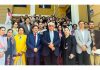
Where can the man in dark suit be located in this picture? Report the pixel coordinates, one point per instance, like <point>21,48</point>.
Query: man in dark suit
<point>33,47</point>
<point>51,43</point>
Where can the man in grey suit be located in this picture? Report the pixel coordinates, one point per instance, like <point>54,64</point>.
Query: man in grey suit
<point>27,26</point>
<point>83,48</point>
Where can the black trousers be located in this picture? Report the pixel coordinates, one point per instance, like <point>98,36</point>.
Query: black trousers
<point>33,60</point>
<point>67,61</point>
<point>84,58</point>
<point>50,59</point>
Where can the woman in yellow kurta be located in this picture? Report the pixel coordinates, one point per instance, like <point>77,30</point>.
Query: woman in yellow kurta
<point>20,40</point>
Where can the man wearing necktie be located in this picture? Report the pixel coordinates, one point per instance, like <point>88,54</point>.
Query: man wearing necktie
<point>33,47</point>
<point>51,42</point>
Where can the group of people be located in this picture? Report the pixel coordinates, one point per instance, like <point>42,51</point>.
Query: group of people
<point>44,40</point>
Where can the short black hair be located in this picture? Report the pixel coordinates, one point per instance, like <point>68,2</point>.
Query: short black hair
<point>66,27</point>
<point>90,22</point>
<point>85,22</point>
<point>2,27</point>
<point>22,28</point>
<point>14,22</point>
<point>61,27</point>
<point>27,18</point>
<point>34,26</point>
<point>80,21</point>
<point>9,30</point>
<point>73,25</point>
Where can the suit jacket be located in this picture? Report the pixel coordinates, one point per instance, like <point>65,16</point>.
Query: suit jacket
<point>97,39</point>
<point>81,42</point>
<point>31,45</point>
<point>26,29</point>
<point>62,33</point>
<point>46,39</point>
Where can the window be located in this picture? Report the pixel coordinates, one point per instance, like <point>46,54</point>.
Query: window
<point>20,5</point>
<point>44,6</point>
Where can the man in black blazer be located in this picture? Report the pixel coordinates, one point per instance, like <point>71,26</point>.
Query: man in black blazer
<point>51,43</point>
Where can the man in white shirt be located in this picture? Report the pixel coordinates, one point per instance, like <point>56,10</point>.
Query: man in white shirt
<point>51,43</point>
<point>27,26</point>
<point>83,48</point>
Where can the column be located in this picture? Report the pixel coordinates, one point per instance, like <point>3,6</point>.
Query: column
<point>32,9</point>
<point>74,14</point>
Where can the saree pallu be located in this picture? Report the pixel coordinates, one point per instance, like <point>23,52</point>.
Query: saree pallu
<point>2,60</point>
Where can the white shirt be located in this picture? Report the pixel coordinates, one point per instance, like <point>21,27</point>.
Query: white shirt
<point>28,26</point>
<point>51,35</point>
<point>36,38</point>
<point>82,32</point>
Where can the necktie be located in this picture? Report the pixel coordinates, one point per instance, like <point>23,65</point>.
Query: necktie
<point>60,34</point>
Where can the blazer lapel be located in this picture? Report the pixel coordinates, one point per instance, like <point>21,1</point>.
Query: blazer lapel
<point>54,36</point>
<point>32,36</point>
<point>48,36</point>
<point>85,32</point>
<point>38,38</point>
<point>26,27</point>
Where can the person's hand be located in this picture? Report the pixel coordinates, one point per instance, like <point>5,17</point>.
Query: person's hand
<point>84,48</point>
<point>19,54</point>
<point>22,52</point>
<point>53,48</point>
<point>51,45</point>
<point>1,54</point>
<point>16,54</point>
<point>35,49</point>
<point>71,56</point>
<point>13,58</point>
<point>94,48</point>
